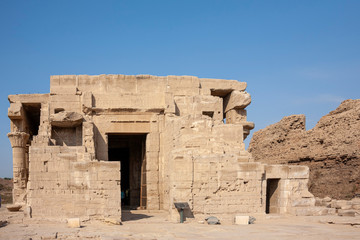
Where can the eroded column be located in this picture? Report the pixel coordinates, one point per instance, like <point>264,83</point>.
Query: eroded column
<point>18,142</point>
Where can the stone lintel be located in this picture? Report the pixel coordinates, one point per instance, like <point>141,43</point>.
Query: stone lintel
<point>29,98</point>
<point>110,111</point>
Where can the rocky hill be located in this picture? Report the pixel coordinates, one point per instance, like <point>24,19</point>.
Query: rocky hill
<point>6,186</point>
<point>331,149</point>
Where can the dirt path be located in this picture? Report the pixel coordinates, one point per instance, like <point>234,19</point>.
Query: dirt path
<point>155,226</point>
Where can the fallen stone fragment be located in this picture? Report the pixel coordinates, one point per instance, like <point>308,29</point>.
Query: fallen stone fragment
<point>242,220</point>
<point>50,236</point>
<point>3,223</point>
<point>212,220</point>
<point>314,211</point>
<point>252,220</point>
<point>66,119</point>
<point>346,213</point>
<point>112,221</point>
<point>73,222</point>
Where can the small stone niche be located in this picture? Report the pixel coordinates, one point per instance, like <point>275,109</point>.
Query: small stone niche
<point>208,113</point>
<point>66,128</point>
<point>67,136</point>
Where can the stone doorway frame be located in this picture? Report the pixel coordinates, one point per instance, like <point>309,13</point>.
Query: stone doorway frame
<point>272,195</point>
<point>149,127</point>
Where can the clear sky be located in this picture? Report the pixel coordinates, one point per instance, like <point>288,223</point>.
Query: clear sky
<point>298,57</point>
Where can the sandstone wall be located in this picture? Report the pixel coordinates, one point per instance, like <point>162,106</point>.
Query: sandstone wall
<point>331,149</point>
<point>62,185</point>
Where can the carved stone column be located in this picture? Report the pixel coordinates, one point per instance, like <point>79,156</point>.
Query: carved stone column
<point>18,142</point>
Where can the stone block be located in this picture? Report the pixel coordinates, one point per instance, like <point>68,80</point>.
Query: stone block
<point>106,176</point>
<point>67,80</point>
<point>87,99</point>
<point>152,175</point>
<point>121,84</point>
<point>236,100</point>
<point>112,221</point>
<point>314,211</point>
<point>210,106</point>
<point>341,204</point>
<point>298,172</point>
<point>38,166</point>
<point>54,81</point>
<point>236,116</point>
<point>61,90</point>
<point>302,202</point>
<point>64,84</point>
<point>146,82</point>
<point>183,85</point>
<point>241,220</point>
<point>276,171</point>
<point>15,111</point>
<point>251,167</point>
<point>355,203</point>
<point>249,175</point>
<point>152,141</point>
<point>214,87</point>
<point>73,222</point>
<point>230,133</point>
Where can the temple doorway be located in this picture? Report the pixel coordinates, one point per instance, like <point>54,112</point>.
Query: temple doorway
<point>129,149</point>
<point>272,196</point>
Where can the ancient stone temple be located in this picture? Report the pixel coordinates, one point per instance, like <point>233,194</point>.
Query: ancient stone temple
<point>96,145</point>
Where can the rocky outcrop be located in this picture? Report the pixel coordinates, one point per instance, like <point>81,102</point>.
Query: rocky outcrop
<point>6,186</point>
<point>331,149</point>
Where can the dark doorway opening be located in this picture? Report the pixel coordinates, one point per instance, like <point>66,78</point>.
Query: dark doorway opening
<point>130,151</point>
<point>272,195</point>
<point>222,93</point>
<point>32,112</point>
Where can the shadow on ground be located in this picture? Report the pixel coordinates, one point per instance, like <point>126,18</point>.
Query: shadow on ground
<point>129,216</point>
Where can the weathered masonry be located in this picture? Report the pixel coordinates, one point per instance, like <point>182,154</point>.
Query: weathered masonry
<point>98,144</point>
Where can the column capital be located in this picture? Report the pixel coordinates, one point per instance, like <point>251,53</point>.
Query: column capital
<point>18,139</point>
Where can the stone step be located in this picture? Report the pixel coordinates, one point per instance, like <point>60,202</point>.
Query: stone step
<point>314,211</point>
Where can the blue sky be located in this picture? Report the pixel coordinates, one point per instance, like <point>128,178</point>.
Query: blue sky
<point>298,57</point>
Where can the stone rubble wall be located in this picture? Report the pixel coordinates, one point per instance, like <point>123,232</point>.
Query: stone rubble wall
<point>331,149</point>
<point>340,207</point>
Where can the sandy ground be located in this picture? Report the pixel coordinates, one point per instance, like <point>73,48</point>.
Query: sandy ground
<point>155,226</point>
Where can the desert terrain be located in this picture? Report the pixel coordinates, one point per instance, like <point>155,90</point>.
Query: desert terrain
<point>6,186</point>
<point>154,225</point>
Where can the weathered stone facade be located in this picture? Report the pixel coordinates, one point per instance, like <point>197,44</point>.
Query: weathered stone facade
<point>98,144</point>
